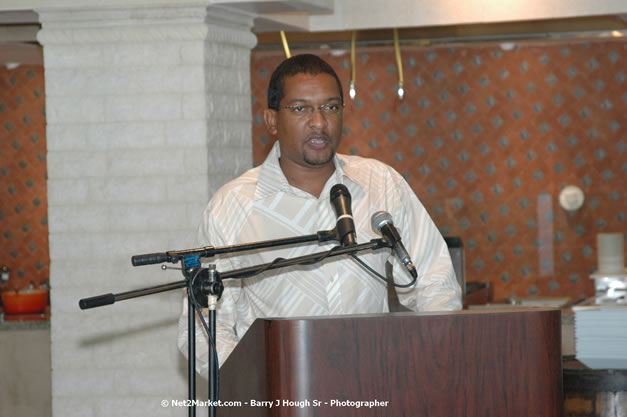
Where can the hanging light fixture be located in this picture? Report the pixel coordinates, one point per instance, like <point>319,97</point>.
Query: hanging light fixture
<point>351,85</point>
<point>286,47</point>
<point>399,66</point>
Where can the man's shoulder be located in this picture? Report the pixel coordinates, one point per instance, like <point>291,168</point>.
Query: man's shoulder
<point>368,166</point>
<point>244,185</point>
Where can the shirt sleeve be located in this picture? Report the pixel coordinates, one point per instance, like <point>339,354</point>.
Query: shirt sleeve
<point>436,288</point>
<point>209,234</point>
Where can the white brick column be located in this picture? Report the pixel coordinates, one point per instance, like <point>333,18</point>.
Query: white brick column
<point>148,113</point>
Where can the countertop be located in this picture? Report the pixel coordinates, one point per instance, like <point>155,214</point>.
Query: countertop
<point>29,322</point>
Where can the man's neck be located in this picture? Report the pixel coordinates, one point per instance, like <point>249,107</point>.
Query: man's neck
<point>308,179</point>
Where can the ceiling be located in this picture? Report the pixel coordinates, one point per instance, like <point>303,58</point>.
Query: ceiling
<point>18,31</point>
<point>582,27</point>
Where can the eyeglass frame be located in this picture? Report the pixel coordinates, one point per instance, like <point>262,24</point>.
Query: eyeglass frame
<point>323,109</point>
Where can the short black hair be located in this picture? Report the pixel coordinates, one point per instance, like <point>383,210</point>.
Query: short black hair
<point>298,64</point>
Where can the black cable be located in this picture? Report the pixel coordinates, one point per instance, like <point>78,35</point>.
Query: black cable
<point>324,256</point>
<point>262,269</point>
<point>376,274</point>
<point>266,267</point>
<point>214,350</point>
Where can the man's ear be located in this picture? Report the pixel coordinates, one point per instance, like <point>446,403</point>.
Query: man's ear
<point>270,117</point>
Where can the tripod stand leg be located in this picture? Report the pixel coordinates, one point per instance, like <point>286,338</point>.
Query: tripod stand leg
<point>213,365</point>
<point>191,352</point>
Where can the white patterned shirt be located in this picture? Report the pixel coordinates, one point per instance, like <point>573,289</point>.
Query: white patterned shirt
<point>262,205</point>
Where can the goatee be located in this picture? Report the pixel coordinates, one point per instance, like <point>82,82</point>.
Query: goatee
<point>318,162</point>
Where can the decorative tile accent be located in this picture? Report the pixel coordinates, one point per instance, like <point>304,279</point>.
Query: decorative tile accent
<point>23,190</point>
<point>497,133</point>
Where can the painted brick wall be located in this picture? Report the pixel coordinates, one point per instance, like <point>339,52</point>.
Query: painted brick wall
<point>148,113</point>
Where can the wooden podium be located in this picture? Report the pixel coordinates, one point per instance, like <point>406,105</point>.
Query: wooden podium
<point>504,363</point>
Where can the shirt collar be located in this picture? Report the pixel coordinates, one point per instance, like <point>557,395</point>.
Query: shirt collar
<point>272,179</point>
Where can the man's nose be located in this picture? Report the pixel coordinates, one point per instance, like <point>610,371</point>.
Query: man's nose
<point>317,118</point>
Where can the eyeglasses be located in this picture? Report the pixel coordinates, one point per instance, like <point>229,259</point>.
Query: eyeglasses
<point>306,110</point>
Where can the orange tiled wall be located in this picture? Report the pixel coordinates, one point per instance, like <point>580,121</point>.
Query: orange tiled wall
<point>23,196</point>
<point>487,138</point>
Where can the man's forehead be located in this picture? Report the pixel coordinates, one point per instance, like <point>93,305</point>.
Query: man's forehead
<point>303,83</point>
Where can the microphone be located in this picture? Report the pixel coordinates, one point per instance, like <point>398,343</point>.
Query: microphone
<point>382,222</point>
<point>341,201</point>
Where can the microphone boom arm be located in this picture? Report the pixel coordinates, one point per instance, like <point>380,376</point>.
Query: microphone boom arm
<point>174,256</point>
<point>106,299</point>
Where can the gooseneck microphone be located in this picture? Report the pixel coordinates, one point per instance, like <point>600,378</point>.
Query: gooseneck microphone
<point>341,202</point>
<point>382,222</point>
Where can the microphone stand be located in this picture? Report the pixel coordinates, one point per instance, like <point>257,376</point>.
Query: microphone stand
<point>204,285</point>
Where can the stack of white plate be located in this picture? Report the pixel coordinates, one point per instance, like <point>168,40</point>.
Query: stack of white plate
<point>601,336</point>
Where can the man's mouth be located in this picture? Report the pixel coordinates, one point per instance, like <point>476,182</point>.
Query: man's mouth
<point>317,141</point>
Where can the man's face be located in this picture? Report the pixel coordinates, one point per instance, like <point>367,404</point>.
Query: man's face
<point>306,139</point>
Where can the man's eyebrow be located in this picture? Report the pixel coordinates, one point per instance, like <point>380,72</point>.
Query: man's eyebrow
<point>304,100</point>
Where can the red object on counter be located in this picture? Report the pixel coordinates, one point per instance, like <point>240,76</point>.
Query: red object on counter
<point>34,301</point>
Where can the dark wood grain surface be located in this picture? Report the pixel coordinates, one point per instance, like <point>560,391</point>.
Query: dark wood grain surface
<point>470,363</point>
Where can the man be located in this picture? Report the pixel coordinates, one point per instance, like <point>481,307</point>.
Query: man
<point>288,195</point>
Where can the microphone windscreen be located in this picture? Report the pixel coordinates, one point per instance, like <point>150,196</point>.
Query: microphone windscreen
<point>380,219</point>
<point>339,189</point>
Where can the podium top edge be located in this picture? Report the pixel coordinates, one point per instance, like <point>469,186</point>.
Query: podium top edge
<point>491,311</point>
